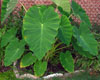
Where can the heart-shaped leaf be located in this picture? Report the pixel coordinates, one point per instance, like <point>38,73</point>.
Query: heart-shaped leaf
<point>27,60</point>
<point>40,68</point>
<point>85,39</point>
<point>80,50</point>
<point>67,61</point>
<point>13,51</point>
<point>40,28</point>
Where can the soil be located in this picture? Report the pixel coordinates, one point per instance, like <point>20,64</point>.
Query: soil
<point>4,69</point>
<point>55,69</point>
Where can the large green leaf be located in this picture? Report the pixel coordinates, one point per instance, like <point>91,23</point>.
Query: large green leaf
<point>80,50</point>
<point>40,68</point>
<point>8,36</point>
<point>27,60</point>
<point>80,13</point>
<point>40,28</point>
<point>65,30</point>
<point>7,8</point>
<point>85,39</point>
<point>65,4</point>
<point>13,51</point>
<point>67,61</point>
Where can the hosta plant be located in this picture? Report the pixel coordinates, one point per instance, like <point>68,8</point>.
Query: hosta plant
<point>44,31</point>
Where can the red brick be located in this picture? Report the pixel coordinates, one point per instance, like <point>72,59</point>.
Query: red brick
<point>92,7</point>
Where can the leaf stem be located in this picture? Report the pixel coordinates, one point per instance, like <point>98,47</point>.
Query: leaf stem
<point>70,16</point>
<point>61,48</point>
<point>51,52</point>
<point>23,6</point>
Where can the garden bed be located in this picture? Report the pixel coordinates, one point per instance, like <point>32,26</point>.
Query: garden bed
<point>45,42</point>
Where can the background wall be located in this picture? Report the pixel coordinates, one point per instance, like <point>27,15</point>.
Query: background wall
<point>92,7</point>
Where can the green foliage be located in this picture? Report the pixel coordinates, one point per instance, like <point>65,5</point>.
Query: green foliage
<point>14,51</point>
<point>67,61</point>
<point>80,50</point>
<point>57,78</point>
<point>40,29</point>
<point>9,75</point>
<point>1,56</point>
<point>86,63</point>
<point>2,31</point>
<point>85,39</point>
<point>3,9</point>
<point>27,60</point>
<point>40,68</point>
<point>80,13</point>
<point>8,36</point>
<point>45,34</point>
<point>65,30</point>
<point>7,8</point>
<point>65,4</point>
<point>84,76</point>
<point>94,62</point>
<point>15,20</point>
